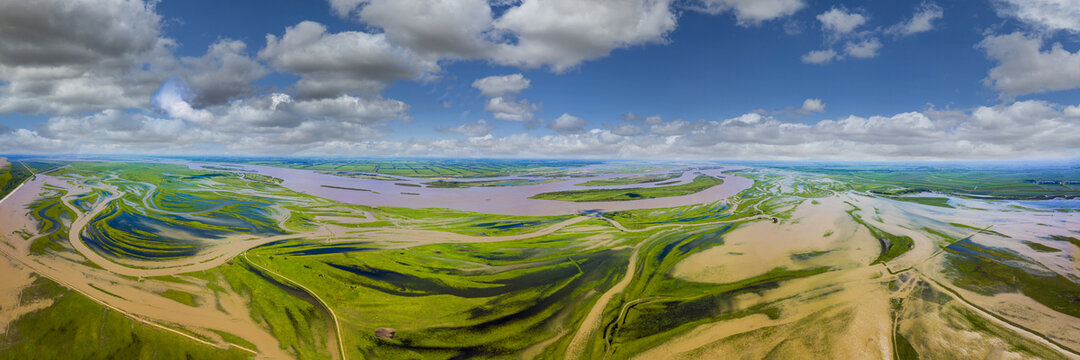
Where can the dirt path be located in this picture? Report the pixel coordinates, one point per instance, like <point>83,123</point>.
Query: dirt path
<point>36,267</point>
<point>416,237</point>
<point>222,253</point>
<point>1025,332</point>
<point>234,246</point>
<point>337,325</point>
<point>16,189</point>
<point>593,320</point>
<point>619,226</point>
<point>75,277</point>
<point>139,300</point>
<point>13,191</point>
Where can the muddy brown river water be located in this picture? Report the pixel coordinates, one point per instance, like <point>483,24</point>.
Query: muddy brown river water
<point>505,200</point>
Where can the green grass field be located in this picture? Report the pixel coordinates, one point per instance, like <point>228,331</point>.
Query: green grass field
<point>74,327</point>
<point>991,182</point>
<point>892,245</point>
<point>261,178</point>
<point>17,171</point>
<point>932,201</point>
<point>52,218</point>
<point>989,271</point>
<point>294,318</point>
<point>627,180</point>
<point>700,183</point>
<point>452,184</point>
<point>690,214</point>
<point>485,297</point>
<point>494,299</point>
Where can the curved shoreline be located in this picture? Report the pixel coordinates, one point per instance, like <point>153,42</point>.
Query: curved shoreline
<point>509,200</point>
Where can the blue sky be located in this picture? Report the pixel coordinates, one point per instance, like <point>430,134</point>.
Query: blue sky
<point>714,79</point>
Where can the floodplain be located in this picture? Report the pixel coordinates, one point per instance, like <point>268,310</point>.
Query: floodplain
<point>329,259</point>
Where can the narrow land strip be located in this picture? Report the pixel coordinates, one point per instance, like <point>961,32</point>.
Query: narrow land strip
<point>337,325</point>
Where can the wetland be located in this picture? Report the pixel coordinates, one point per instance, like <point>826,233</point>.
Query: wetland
<point>289,258</point>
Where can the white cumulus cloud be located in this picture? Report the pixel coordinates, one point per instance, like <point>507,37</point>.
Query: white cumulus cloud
<point>1023,67</point>
<point>840,21</point>
<point>863,49</point>
<point>819,57</point>
<point>494,86</point>
<point>810,106</point>
<point>473,129</point>
<point>567,124</point>
<point>1044,14</point>
<point>503,108</point>
<point>173,97</point>
<point>563,33</point>
<point>223,73</point>
<point>751,12</point>
<point>557,34</point>
<point>625,129</point>
<point>81,55</point>
<point>435,28</point>
<point>350,62</point>
<point>922,21</point>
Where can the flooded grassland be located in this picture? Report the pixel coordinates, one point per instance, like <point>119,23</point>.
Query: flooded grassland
<point>205,260</point>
